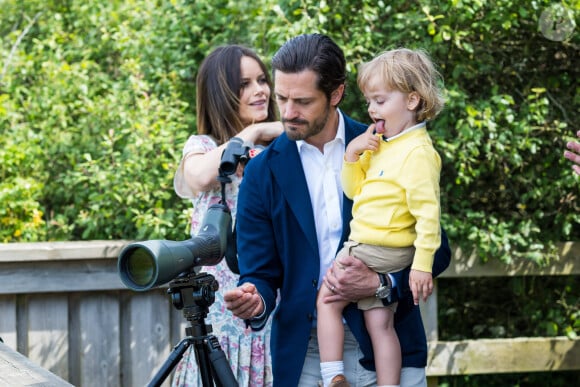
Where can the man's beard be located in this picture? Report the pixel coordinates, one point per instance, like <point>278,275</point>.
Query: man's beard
<point>312,129</point>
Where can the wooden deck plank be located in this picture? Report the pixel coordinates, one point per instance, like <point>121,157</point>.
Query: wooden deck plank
<point>17,370</point>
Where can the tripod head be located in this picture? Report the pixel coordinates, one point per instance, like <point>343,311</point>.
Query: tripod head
<point>194,294</point>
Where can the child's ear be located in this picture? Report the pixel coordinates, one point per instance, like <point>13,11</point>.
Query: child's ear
<point>413,100</point>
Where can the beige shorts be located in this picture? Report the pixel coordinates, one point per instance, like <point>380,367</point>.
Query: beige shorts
<point>380,259</point>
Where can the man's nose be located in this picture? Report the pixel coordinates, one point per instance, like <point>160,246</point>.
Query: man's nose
<point>289,111</point>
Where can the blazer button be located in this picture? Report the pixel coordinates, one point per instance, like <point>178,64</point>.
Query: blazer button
<point>315,283</point>
<point>310,317</point>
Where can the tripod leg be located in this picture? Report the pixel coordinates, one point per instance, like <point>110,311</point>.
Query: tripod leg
<point>203,363</point>
<point>170,363</point>
<point>221,367</point>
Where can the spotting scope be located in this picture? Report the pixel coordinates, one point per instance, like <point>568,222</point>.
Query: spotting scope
<point>148,264</point>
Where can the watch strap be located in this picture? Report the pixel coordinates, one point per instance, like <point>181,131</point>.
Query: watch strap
<point>385,280</point>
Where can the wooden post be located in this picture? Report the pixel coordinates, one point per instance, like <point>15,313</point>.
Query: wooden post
<point>429,316</point>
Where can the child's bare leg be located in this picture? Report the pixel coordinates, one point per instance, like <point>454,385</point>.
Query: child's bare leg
<point>330,328</point>
<point>386,347</point>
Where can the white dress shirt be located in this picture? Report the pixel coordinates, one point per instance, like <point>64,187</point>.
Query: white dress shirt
<point>322,172</point>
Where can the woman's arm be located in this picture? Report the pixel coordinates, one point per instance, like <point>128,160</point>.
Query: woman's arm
<point>200,170</point>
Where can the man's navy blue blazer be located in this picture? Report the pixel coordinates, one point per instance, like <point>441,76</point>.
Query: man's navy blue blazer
<point>278,251</point>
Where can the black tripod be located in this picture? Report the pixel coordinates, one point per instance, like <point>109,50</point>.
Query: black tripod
<point>194,293</point>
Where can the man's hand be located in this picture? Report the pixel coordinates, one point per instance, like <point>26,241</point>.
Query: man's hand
<point>421,284</point>
<point>350,279</point>
<point>244,301</point>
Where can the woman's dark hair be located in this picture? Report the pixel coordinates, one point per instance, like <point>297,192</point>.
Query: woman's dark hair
<point>218,92</point>
<point>315,52</point>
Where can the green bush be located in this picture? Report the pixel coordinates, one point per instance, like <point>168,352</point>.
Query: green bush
<point>21,213</point>
<point>80,119</point>
<point>98,97</point>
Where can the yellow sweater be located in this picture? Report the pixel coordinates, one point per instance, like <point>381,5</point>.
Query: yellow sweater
<point>395,194</point>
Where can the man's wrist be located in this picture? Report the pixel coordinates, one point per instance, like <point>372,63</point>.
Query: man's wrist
<point>384,290</point>
<point>261,315</point>
<point>257,322</point>
<point>393,296</point>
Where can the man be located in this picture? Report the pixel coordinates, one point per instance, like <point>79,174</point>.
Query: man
<point>292,218</point>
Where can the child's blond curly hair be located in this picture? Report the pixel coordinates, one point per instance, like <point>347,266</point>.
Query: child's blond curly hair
<point>407,71</point>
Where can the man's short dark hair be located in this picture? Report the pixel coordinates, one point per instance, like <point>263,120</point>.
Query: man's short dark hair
<point>315,52</point>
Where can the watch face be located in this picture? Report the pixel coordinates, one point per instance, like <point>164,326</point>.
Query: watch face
<point>383,292</point>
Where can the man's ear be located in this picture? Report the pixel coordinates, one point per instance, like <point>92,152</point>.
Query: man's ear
<point>413,100</point>
<point>336,95</point>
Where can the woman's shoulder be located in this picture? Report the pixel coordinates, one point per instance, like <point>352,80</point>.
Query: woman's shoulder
<point>200,143</point>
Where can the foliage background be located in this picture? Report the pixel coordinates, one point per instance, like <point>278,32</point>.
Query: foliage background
<point>97,100</point>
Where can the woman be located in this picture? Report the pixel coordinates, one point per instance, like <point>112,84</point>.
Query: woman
<point>233,99</point>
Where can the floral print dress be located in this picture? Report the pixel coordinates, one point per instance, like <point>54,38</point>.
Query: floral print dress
<point>248,352</point>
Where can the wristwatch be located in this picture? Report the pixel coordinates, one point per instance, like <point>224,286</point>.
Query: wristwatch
<point>384,290</point>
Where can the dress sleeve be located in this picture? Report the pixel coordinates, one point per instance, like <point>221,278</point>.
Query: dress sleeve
<point>196,144</point>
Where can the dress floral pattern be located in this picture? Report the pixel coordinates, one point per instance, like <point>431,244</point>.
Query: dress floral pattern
<point>248,352</point>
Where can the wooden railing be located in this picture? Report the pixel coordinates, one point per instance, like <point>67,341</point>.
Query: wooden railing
<point>63,306</point>
<point>494,356</point>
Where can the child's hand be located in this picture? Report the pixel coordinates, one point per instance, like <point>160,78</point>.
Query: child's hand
<point>421,284</point>
<point>364,142</point>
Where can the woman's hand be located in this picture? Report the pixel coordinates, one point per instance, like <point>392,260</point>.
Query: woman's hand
<point>262,133</point>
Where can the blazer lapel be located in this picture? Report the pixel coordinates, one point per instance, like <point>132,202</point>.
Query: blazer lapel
<point>288,173</point>
<point>351,130</point>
